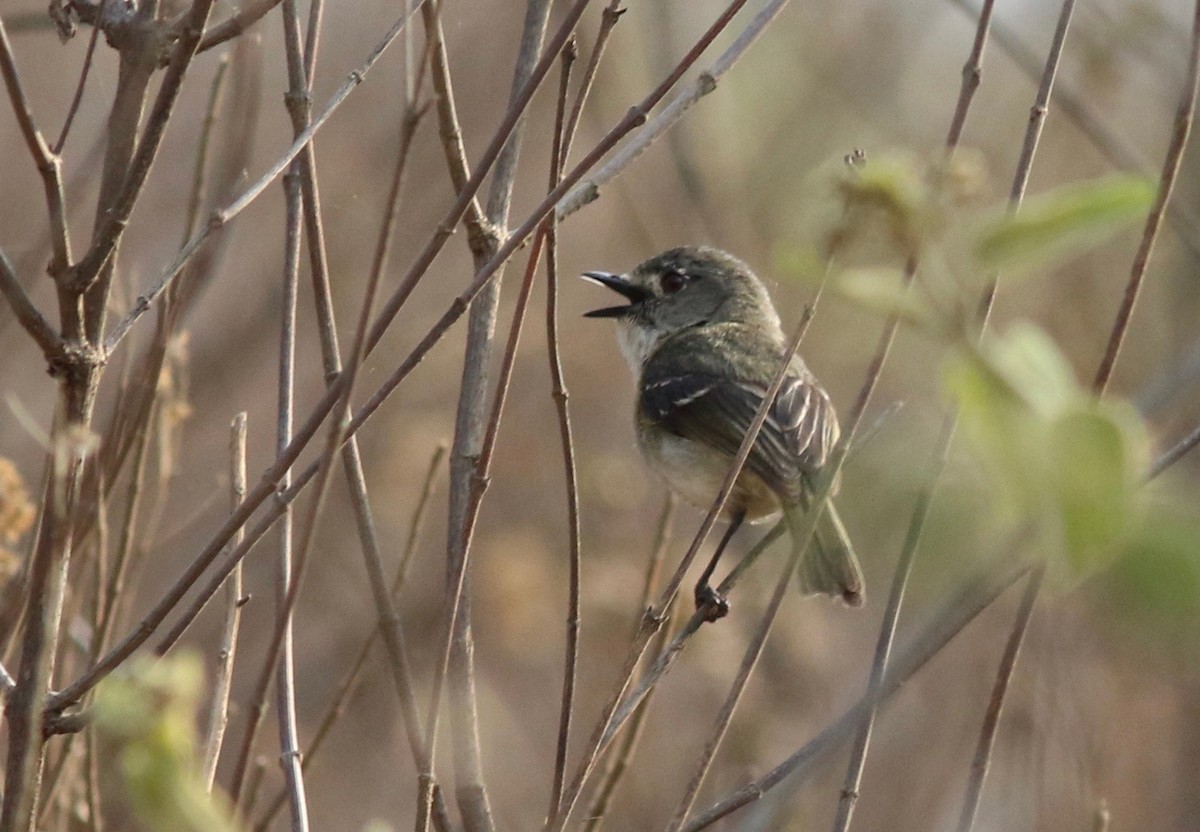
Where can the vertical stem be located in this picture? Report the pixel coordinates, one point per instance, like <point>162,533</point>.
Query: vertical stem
<point>285,700</point>
<point>219,712</point>
<point>971,76</point>
<point>560,396</point>
<point>991,717</point>
<point>1184,115</point>
<point>471,413</point>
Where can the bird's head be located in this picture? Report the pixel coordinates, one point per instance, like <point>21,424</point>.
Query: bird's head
<point>683,288</point>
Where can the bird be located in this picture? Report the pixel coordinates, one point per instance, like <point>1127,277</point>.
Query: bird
<point>704,342</point>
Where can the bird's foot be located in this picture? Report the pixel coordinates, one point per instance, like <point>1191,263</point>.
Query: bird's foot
<point>711,603</point>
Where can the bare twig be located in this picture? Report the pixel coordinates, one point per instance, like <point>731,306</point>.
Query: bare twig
<point>47,162</point>
<point>589,190</point>
<point>27,314</point>
<point>1184,115</point>
<point>1183,119</point>
<point>465,484</point>
<point>1093,125</point>
<point>237,23</point>
<point>971,76</point>
<point>115,588</point>
<point>450,132</point>
<point>560,396</point>
<point>322,408</point>
<point>1176,453</point>
<point>218,714</point>
<point>350,681</point>
<point>619,763</point>
<point>222,216</point>
<point>991,717</point>
<point>94,271</point>
<point>95,806</point>
<point>297,98</point>
<point>77,99</point>
<point>200,169</point>
<point>999,572</point>
<point>609,18</point>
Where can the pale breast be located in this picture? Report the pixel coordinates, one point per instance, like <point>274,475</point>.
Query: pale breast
<point>695,472</point>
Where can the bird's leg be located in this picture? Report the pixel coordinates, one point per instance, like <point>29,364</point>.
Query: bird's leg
<point>707,598</point>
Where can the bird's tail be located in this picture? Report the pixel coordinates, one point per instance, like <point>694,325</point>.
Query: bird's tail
<point>829,567</point>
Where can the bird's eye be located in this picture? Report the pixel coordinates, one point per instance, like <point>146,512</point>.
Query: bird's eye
<point>672,282</point>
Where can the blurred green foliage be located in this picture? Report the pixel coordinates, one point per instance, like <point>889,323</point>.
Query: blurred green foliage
<point>148,715</point>
<point>1063,222</point>
<point>1055,457</point>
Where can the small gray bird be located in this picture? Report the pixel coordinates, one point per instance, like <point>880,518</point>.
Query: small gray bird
<point>703,341</point>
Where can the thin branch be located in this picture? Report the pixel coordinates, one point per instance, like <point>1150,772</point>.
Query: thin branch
<point>218,714</point>
<point>115,589</point>
<point>589,190</point>
<point>1184,115</point>
<point>321,409</point>
<point>200,170</point>
<point>999,573</point>
<point>991,717</point>
<point>560,396</point>
<point>1094,126</point>
<point>222,216</point>
<point>1176,453</point>
<point>235,24</point>
<point>46,161</point>
<point>609,18</point>
<point>619,763</point>
<point>971,76</point>
<point>349,684</point>
<point>92,797</point>
<point>478,230</point>
<point>27,314</point>
<point>110,231</point>
<point>467,468</point>
<point>297,97</point>
<point>77,99</point>
<point>475,805</point>
<point>137,63</point>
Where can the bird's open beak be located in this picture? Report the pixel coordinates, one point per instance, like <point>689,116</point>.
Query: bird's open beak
<point>636,294</point>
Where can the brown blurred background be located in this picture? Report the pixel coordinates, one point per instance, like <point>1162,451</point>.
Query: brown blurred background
<point>1107,705</point>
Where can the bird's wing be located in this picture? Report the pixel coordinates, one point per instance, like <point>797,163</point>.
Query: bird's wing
<point>796,438</point>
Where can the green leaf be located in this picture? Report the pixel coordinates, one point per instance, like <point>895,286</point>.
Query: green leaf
<point>1030,364</point>
<point>883,291</point>
<point>1158,573</point>
<point>1007,437</point>
<point>148,714</point>
<point>1055,455</point>
<point>1097,457</point>
<point>1064,221</point>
